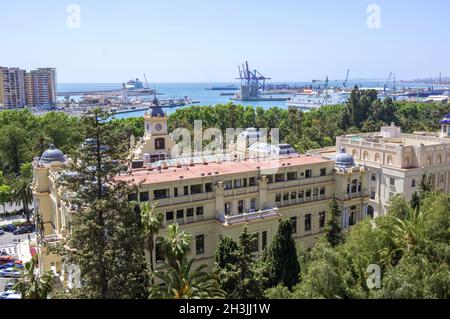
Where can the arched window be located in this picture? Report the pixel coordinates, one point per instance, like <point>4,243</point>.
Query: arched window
<point>429,160</point>
<point>160,143</point>
<point>366,156</point>
<point>370,212</point>
<point>351,218</point>
<point>390,160</point>
<point>354,153</point>
<point>377,157</point>
<point>354,185</point>
<point>439,159</point>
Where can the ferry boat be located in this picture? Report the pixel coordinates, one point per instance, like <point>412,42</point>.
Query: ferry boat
<point>310,99</point>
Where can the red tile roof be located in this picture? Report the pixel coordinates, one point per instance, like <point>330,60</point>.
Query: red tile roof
<point>172,174</point>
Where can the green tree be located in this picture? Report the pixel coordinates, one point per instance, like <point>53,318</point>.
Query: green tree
<point>33,285</point>
<point>14,147</point>
<point>333,231</point>
<point>152,222</point>
<point>226,252</point>
<point>407,233</point>
<point>415,277</point>
<point>278,292</point>
<point>240,280</point>
<point>415,201</point>
<point>21,193</point>
<point>359,105</point>
<point>281,257</point>
<point>5,196</point>
<point>426,184</point>
<point>105,239</point>
<point>175,244</point>
<point>399,207</point>
<point>321,278</point>
<point>181,282</point>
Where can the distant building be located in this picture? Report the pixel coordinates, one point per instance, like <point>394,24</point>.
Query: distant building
<point>396,161</point>
<point>36,88</point>
<point>41,87</point>
<point>12,88</point>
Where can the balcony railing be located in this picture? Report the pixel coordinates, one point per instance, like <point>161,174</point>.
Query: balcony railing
<point>245,217</point>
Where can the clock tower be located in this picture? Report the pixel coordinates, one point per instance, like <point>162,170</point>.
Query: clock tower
<point>155,122</point>
<point>156,143</point>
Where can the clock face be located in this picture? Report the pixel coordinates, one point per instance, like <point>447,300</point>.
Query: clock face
<point>158,127</point>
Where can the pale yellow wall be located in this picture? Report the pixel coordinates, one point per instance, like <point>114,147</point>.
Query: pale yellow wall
<point>147,143</point>
<point>57,215</point>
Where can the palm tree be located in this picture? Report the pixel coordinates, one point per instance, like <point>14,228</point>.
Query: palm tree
<point>152,221</point>
<point>33,286</point>
<point>175,245</point>
<point>22,194</point>
<point>180,282</point>
<point>406,235</point>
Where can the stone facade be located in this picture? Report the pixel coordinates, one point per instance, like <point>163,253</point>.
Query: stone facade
<point>218,197</point>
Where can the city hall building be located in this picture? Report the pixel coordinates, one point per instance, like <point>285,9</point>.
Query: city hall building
<point>216,195</point>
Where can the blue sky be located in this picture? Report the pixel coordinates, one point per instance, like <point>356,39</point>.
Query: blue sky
<point>204,41</point>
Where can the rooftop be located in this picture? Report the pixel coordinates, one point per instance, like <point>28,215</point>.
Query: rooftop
<point>425,138</point>
<point>171,174</point>
<point>391,136</point>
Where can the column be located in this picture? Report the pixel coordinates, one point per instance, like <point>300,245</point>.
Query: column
<point>220,204</point>
<point>263,192</point>
<point>315,222</point>
<point>246,204</point>
<point>301,224</point>
<point>234,207</point>
<point>344,218</point>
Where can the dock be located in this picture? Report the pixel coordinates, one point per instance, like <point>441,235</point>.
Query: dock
<point>260,98</point>
<point>114,92</point>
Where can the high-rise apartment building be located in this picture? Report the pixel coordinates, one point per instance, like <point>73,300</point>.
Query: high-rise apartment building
<point>12,88</point>
<point>41,87</point>
<point>35,89</point>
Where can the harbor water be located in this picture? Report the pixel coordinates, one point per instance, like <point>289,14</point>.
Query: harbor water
<point>199,92</point>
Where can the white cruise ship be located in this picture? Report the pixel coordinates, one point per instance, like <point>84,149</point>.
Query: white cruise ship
<point>310,99</point>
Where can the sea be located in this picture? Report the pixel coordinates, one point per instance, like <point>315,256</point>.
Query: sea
<point>199,92</point>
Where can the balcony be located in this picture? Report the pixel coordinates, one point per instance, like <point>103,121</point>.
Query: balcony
<point>185,199</point>
<point>246,217</point>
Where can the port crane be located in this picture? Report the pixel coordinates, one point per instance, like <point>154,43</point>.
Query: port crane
<point>387,83</point>
<point>251,78</point>
<point>326,83</point>
<point>155,99</point>
<point>146,82</point>
<point>344,85</point>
